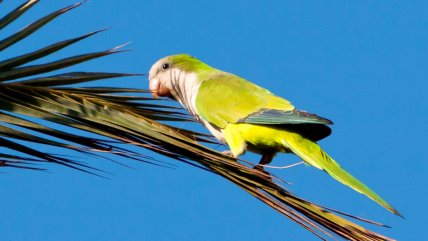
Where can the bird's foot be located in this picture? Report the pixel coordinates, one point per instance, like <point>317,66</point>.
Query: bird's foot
<point>261,169</point>
<point>266,159</point>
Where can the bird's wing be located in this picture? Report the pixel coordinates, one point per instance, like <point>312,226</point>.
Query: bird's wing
<point>225,98</point>
<point>277,117</point>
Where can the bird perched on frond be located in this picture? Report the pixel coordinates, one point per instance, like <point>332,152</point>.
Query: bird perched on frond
<point>248,117</point>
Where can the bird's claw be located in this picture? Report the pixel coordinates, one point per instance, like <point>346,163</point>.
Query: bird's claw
<point>262,170</point>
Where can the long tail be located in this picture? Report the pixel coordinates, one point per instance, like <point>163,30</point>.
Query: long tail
<point>313,155</point>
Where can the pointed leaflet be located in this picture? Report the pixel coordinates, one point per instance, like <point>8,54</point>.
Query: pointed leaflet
<point>16,13</point>
<point>7,42</point>
<point>71,78</point>
<point>59,64</point>
<point>28,57</point>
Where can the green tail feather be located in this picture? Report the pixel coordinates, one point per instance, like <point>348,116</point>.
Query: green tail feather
<point>312,154</point>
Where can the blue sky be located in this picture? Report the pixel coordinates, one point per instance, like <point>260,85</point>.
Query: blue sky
<point>362,64</point>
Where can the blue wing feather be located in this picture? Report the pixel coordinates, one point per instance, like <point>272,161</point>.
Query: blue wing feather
<point>278,117</point>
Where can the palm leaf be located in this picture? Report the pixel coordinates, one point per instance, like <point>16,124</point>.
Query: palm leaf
<point>117,116</point>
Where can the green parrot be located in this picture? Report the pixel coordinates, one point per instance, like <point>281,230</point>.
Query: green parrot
<point>248,117</point>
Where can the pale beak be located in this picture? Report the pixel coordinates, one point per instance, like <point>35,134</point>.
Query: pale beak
<point>154,87</point>
<point>158,89</point>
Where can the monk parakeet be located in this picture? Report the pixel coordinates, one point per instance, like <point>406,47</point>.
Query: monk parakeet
<point>247,116</point>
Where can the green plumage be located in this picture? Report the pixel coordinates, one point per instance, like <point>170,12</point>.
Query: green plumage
<point>250,117</point>
<point>224,98</point>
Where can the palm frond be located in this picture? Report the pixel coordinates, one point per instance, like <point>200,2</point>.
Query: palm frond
<point>117,116</point>
<point>9,18</point>
<point>11,63</point>
<point>27,31</point>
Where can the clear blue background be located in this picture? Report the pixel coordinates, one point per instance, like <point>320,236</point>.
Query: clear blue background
<point>363,64</point>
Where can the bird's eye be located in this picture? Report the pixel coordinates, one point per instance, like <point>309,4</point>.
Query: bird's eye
<point>165,66</point>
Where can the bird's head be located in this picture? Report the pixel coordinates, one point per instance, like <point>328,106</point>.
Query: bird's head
<point>166,72</point>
